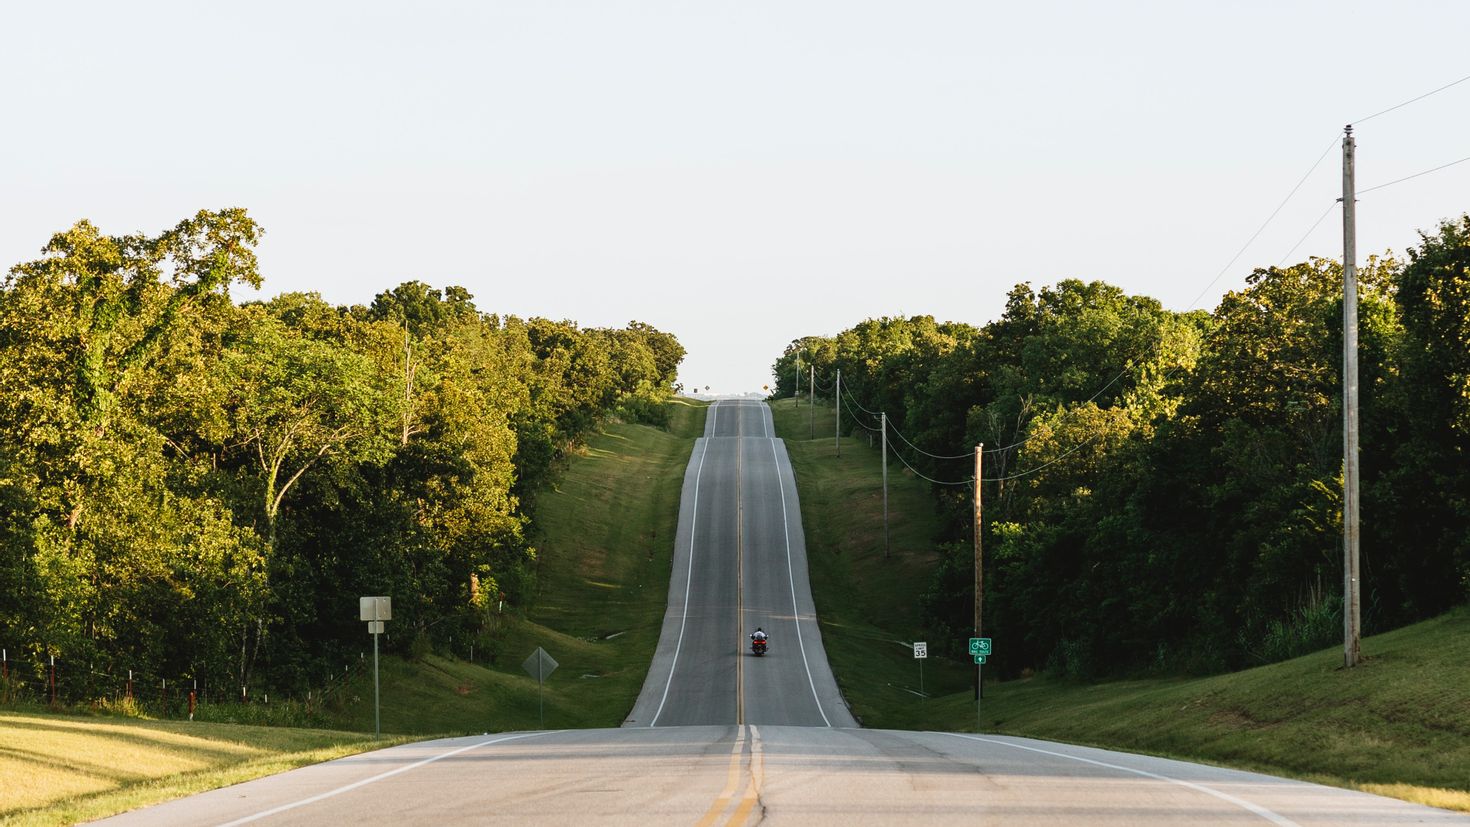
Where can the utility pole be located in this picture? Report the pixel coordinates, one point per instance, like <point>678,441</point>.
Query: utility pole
<point>811,384</point>
<point>796,394</point>
<point>1351,598</point>
<point>979,578</point>
<point>884,424</point>
<point>837,410</point>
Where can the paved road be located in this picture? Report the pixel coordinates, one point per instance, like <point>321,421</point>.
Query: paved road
<point>719,737</point>
<point>743,775</point>
<point>739,563</point>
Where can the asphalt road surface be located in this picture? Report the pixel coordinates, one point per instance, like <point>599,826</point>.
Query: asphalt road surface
<point>739,563</point>
<point>720,737</point>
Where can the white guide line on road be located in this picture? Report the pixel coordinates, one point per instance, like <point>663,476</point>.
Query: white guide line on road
<point>1239,802</point>
<point>684,619</point>
<point>791,578</point>
<point>379,777</point>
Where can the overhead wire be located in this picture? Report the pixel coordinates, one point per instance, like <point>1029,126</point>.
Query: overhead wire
<point>921,474</point>
<point>1411,100</point>
<point>853,413</point>
<point>849,395</point>
<point>1411,177</point>
<point>1270,218</point>
<point>1308,233</point>
<point>899,434</point>
<point>1264,224</point>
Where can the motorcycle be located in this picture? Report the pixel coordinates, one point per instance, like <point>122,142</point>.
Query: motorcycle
<point>757,647</point>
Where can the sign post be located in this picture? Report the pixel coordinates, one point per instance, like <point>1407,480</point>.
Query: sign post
<point>921,653</point>
<point>540,666</point>
<point>375,610</point>
<point>980,649</point>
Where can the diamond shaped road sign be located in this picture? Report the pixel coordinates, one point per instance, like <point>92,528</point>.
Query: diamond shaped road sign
<point>539,665</point>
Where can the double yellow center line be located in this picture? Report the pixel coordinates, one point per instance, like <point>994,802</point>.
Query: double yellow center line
<point>752,793</point>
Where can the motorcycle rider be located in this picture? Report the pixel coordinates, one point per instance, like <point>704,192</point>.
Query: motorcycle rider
<point>758,635</point>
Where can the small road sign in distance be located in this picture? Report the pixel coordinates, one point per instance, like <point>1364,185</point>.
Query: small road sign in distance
<point>921,649</point>
<point>979,646</point>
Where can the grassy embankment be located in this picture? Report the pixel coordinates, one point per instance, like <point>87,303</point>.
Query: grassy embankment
<point>607,538</point>
<point>58,769</point>
<point>868,606</point>
<point>1398,725</point>
<point>604,551</point>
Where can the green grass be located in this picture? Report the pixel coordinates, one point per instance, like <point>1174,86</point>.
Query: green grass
<point>604,561</point>
<point>604,557</point>
<point>867,605</point>
<point>62,769</point>
<point>1398,725</point>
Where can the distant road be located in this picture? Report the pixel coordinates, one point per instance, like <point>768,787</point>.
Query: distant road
<point>720,737</point>
<point>739,563</point>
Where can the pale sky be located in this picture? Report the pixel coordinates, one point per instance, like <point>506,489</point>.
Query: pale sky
<point>739,174</point>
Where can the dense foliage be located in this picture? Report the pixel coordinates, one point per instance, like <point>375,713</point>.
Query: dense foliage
<point>1163,490</point>
<point>192,487</point>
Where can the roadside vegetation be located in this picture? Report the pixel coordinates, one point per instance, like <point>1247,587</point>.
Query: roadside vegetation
<point>601,579</point>
<point>604,559</point>
<point>1397,725</point>
<point>68,769</point>
<point>196,491</point>
<point>1163,489</point>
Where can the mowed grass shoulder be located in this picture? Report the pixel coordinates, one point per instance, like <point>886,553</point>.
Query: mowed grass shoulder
<point>867,604</point>
<point>62,769</point>
<point>1398,725</point>
<point>604,559</point>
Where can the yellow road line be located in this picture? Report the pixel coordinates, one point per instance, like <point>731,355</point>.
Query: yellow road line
<point>739,587</point>
<point>732,780</point>
<point>753,789</point>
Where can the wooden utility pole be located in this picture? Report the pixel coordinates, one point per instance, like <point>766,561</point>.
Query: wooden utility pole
<point>1351,598</point>
<point>884,424</point>
<point>837,410</point>
<point>979,567</point>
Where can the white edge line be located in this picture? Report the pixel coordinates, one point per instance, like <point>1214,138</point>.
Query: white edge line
<point>1239,802</point>
<point>379,777</point>
<point>791,578</point>
<point>688,581</point>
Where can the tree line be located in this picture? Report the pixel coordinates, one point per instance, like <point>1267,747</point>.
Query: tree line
<point>198,487</point>
<point>1163,490</point>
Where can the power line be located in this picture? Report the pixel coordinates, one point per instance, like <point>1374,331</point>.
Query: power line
<point>905,439</point>
<point>1315,224</point>
<point>1411,100</point>
<point>1205,290</point>
<point>854,415</point>
<point>1028,472</point>
<point>849,395</point>
<point>1264,224</point>
<point>1415,175</point>
<point>921,475</point>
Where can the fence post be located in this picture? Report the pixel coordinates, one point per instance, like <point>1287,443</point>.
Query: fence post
<point>53,680</point>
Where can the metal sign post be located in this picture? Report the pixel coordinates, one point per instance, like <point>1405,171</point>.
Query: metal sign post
<point>375,610</point>
<point>980,649</point>
<point>540,666</point>
<point>921,653</point>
